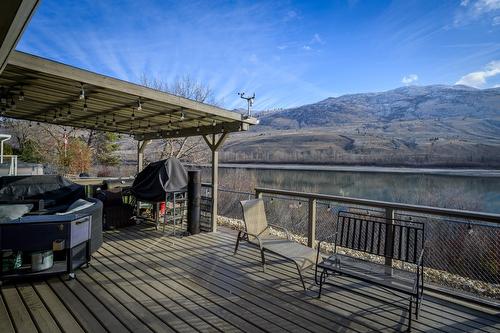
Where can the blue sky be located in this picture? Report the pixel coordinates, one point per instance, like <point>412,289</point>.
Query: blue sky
<point>288,52</point>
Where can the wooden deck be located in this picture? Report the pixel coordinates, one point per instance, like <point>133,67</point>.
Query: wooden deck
<point>142,281</point>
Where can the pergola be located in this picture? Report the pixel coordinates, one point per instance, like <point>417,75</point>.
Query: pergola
<point>44,91</point>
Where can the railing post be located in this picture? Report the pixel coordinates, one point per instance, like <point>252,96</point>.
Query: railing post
<point>389,239</point>
<point>311,223</point>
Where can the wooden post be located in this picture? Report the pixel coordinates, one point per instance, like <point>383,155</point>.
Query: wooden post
<point>215,187</point>
<point>311,225</point>
<point>215,144</point>
<point>141,145</point>
<point>389,239</point>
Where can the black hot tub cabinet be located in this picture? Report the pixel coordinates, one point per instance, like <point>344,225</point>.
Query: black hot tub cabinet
<point>51,194</point>
<point>68,235</point>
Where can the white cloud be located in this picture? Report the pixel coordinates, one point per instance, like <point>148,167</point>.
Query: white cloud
<point>485,6</point>
<point>317,39</point>
<point>291,15</point>
<point>307,47</point>
<point>496,20</point>
<point>253,58</point>
<point>475,10</point>
<point>478,79</point>
<point>409,79</point>
<point>496,86</point>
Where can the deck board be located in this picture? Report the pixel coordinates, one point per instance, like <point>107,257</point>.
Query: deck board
<point>142,280</point>
<point>5,322</point>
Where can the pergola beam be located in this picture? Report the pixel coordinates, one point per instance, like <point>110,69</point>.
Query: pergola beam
<point>202,130</point>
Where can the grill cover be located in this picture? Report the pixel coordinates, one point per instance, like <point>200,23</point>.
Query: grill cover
<point>158,179</point>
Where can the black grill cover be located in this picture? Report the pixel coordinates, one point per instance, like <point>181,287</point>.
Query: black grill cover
<point>57,191</point>
<point>159,178</point>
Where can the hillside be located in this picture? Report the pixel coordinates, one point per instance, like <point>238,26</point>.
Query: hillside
<point>416,125</point>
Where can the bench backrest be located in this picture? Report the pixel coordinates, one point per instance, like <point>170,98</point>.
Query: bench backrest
<point>391,238</point>
<point>254,216</point>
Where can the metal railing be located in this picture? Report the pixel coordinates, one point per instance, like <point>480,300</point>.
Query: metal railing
<point>462,248</point>
<point>11,164</point>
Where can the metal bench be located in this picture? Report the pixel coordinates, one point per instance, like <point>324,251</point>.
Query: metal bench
<point>390,239</point>
<point>257,232</point>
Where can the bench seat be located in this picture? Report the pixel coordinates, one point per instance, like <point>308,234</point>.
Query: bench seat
<point>371,272</point>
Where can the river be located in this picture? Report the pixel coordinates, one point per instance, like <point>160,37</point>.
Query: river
<point>470,189</point>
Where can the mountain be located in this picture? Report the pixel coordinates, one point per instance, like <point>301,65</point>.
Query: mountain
<point>434,125</point>
<point>405,103</point>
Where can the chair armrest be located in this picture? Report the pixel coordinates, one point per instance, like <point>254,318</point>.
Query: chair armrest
<point>280,228</point>
<point>253,235</point>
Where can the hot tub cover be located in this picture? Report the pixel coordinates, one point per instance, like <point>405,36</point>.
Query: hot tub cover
<point>57,191</point>
<point>158,179</point>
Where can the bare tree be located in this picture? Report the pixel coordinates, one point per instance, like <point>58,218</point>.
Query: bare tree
<point>191,149</point>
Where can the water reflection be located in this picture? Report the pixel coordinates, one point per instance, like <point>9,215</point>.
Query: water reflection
<point>460,192</point>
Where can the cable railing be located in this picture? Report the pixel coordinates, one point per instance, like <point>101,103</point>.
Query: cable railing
<point>462,247</point>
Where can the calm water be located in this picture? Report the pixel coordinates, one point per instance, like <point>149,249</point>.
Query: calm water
<point>462,192</point>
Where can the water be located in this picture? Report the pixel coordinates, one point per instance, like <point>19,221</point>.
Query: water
<point>478,193</point>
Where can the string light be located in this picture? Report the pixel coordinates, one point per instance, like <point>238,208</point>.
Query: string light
<point>85,107</point>
<point>114,120</point>
<point>182,116</point>
<point>133,115</point>
<point>213,123</point>
<point>21,94</point>
<point>82,92</point>
<point>139,105</point>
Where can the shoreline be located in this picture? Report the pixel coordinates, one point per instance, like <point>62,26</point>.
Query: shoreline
<point>466,172</point>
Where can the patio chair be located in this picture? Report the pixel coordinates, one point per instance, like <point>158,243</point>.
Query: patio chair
<point>257,232</point>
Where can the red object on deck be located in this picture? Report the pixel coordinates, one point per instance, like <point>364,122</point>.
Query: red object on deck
<point>162,207</point>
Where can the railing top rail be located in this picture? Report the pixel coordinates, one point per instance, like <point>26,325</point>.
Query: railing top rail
<point>490,217</point>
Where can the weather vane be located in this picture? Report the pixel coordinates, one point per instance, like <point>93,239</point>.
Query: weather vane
<point>250,101</point>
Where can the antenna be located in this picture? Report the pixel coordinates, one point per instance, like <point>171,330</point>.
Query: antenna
<point>250,101</point>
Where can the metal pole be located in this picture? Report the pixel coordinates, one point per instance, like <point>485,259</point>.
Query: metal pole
<point>311,225</point>
<point>389,240</point>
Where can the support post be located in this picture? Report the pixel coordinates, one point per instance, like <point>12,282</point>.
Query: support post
<point>311,225</point>
<point>215,143</point>
<point>389,239</point>
<point>141,145</point>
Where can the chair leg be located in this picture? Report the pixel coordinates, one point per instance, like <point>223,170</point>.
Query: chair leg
<point>263,260</point>
<point>301,277</point>
<point>237,242</point>
<point>321,281</point>
<point>417,307</point>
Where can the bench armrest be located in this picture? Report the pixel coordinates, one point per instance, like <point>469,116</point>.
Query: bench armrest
<point>280,228</point>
